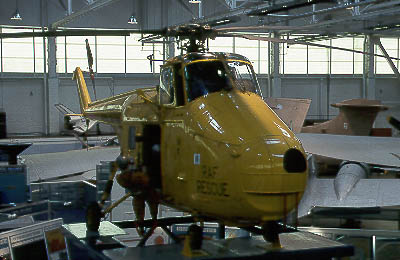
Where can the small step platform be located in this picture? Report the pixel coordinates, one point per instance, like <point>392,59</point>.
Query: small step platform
<point>295,245</point>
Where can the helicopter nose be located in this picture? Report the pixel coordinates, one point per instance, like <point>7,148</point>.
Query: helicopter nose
<point>275,176</point>
<point>273,155</point>
<point>272,165</point>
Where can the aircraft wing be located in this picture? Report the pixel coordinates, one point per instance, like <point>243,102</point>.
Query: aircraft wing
<point>50,166</point>
<point>366,193</point>
<point>383,151</point>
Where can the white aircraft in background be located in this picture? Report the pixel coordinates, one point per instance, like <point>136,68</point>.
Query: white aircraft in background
<point>75,122</point>
<point>355,156</point>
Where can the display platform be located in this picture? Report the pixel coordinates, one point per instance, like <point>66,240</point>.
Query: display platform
<point>295,245</point>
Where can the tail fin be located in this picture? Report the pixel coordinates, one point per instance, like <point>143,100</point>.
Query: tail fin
<point>292,111</point>
<point>356,117</point>
<point>84,97</point>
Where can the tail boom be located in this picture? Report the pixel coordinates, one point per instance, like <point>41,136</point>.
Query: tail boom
<point>84,97</point>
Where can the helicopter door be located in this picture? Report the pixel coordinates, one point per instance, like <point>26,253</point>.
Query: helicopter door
<point>174,182</point>
<point>151,153</point>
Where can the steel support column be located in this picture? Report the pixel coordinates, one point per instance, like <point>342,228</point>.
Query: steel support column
<point>53,88</point>
<point>368,90</point>
<point>276,77</point>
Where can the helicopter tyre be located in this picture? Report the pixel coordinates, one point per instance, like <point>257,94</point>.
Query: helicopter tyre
<point>195,234</point>
<point>271,232</point>
<point>93,216</point>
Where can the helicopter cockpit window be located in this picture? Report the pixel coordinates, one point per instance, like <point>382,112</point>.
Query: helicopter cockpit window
<point>166,86</point>
<point>243,76</point>
<point>206,77</point>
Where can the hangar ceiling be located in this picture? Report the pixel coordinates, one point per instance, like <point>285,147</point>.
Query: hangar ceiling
<point>318,18</point>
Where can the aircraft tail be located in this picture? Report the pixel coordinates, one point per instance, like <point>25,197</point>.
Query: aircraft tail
<point>292,111</point>
<point>356,117</point>
<point>84,97</point>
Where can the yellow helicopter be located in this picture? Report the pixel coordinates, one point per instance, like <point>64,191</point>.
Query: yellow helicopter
<point>203,141</point>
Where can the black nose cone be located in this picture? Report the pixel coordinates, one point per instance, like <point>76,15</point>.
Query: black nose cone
<point>294,161</point>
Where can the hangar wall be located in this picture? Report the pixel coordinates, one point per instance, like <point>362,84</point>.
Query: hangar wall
<point>23,98</point>
<point>23,101</point>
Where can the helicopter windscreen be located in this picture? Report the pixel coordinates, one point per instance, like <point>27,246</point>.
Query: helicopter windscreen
<point>207,77</point>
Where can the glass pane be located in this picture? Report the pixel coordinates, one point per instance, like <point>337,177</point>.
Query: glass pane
<point>264,66</point>
<point>295,59</point>
<point>18,55</point>
<point>137,66</point>
<point>17,64</point>
<point>358,57</point>
<point>338,55</point>
<point>358,67</point>
<point>295,67</point>
<point>136,55</point>
<point>223,44</point>
<point>343,43</point>
<point>60,66</point>
<point>389,43</point>
<point>296,53</point>
<point>110,54</point>
<point>39,54</point>
<point>60,53</point>
<point>342,67</point>
<point>110,66</point>
<point>318,54</point>
<point>317,67</point>
<point>17,49</point>
<point>39,66</point>
<point>358,43</point>
<point>72,63</point>
<point>250,53</point>
<point>17,30</point>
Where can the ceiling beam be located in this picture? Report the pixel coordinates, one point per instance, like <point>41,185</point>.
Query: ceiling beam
<point>85,10</point>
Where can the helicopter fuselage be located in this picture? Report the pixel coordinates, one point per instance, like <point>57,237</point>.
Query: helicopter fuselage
<point>209,143</point>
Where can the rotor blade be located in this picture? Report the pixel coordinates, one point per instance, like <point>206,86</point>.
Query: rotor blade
<point>286,7</point>
<point>89,54</point>
<point>186,7</point>
<point>263,27</point>
<point>223,21</point>
<point>278,40</point>
<point>78,32</point>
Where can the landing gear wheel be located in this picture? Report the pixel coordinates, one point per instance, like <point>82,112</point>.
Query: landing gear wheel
<point>195,234</point>
<point>271,232</point>
<point>93,216</point>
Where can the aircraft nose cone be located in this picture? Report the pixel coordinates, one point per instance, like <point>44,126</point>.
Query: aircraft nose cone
<point>347,178</point>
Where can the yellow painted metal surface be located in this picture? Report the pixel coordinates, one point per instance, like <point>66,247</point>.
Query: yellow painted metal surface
<point>221,154</point>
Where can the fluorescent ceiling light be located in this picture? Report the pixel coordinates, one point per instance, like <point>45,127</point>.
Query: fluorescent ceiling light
<point>132,19</point>
<point>16,16</point>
